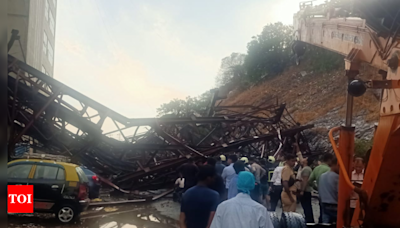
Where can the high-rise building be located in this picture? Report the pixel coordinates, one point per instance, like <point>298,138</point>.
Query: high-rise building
<point>36,22</point>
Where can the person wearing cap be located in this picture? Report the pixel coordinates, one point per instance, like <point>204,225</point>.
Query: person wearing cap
<point>219,167</point>
<point>241,211</point>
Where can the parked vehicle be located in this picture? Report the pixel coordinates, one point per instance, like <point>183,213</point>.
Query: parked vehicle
<point>60,188</point>
<point>94,183</point>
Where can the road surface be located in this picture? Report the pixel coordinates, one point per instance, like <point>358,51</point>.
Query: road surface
<point>160,214</point>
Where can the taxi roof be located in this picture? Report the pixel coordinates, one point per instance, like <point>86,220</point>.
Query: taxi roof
<point>45,161</point>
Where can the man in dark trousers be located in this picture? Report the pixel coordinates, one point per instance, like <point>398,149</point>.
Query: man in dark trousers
<point>313,181</point>
<point>275,188</point>
<point>219,166</point>
<point>306,189</point>
<point>328,192</point>
<point>218,184</point>
<point>189,172</point>
<point>199,203</point>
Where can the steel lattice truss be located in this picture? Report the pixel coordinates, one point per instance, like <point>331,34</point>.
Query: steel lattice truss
<point>135,153</point>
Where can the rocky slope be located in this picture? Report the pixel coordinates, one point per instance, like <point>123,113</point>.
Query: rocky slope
<point>317,98</point>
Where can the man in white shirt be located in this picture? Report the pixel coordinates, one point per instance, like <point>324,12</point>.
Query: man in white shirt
<point>241,211</point>
<point>229,171</point>
<point>180,182</point>
<point>179,188</point>
<point>358,174</point>
<point>275,190</point>
<point>357,177</point>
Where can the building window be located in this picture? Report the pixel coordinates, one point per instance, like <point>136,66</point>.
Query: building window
<point>50,53</point>
<point>46,10</point>
<point>45,40</point>
<point>52,22</point>
<point>44,71</point>
<point>48,50</point>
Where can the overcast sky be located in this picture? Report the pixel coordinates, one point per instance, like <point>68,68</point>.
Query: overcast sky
<point>132,56</point>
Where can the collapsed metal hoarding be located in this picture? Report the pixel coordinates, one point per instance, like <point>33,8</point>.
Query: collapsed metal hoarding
<point>53,118</point>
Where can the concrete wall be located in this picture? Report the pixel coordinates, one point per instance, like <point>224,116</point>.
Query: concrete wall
<point>18,18</point>
<point>34,19</point>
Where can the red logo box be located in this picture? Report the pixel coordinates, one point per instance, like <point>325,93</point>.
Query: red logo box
<point>20,199</point>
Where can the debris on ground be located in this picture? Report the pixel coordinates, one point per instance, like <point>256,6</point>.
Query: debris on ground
<point>110,209</point>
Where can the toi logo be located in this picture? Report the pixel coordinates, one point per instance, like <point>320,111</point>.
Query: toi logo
<point>20,199</point>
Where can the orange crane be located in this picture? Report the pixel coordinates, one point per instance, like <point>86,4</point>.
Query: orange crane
<point>362,31</point>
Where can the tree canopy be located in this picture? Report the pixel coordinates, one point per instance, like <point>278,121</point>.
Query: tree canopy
<point>232,69</point>
<point>185,108</point>
<point>268,54</point>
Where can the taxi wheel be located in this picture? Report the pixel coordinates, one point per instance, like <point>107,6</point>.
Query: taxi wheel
<point>275,219</point>
<point>66,214</point>
<point>292,220</point>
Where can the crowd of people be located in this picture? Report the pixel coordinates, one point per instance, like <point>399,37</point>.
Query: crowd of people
<point>232,192</point>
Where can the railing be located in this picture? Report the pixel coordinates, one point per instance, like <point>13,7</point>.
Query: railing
<point>304,4</point>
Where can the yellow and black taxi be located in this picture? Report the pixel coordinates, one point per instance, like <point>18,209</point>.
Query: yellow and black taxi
<point>60,188</point>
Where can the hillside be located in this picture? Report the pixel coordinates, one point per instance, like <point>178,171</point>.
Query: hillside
<point>317,98</point>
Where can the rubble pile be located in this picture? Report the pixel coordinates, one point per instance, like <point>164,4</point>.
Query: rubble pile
<point>55,119</point>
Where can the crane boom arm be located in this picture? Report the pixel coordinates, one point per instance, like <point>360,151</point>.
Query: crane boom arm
<point>360,41</point>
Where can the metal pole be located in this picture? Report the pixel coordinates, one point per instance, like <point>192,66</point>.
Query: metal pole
<point>351,75</point>
<point>349,110</point>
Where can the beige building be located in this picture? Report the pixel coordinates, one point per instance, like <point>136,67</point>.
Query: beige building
<point>36,22</point>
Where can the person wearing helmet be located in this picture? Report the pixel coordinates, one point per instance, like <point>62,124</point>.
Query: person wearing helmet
<point>247,167</point>
<point>223,160</point>
<point>270,166</point>
<point>219,167</point>
<point>271,159</point>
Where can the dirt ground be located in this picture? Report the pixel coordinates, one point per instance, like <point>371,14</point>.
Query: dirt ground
<point>160,214</point>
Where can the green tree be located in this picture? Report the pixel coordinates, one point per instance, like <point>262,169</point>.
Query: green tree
<point>268,53</point>
<point>361,146</point>
<point>232,69</point>
<point>185,108</point>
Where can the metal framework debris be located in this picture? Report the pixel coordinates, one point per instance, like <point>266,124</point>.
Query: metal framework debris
<point>136,153</point>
